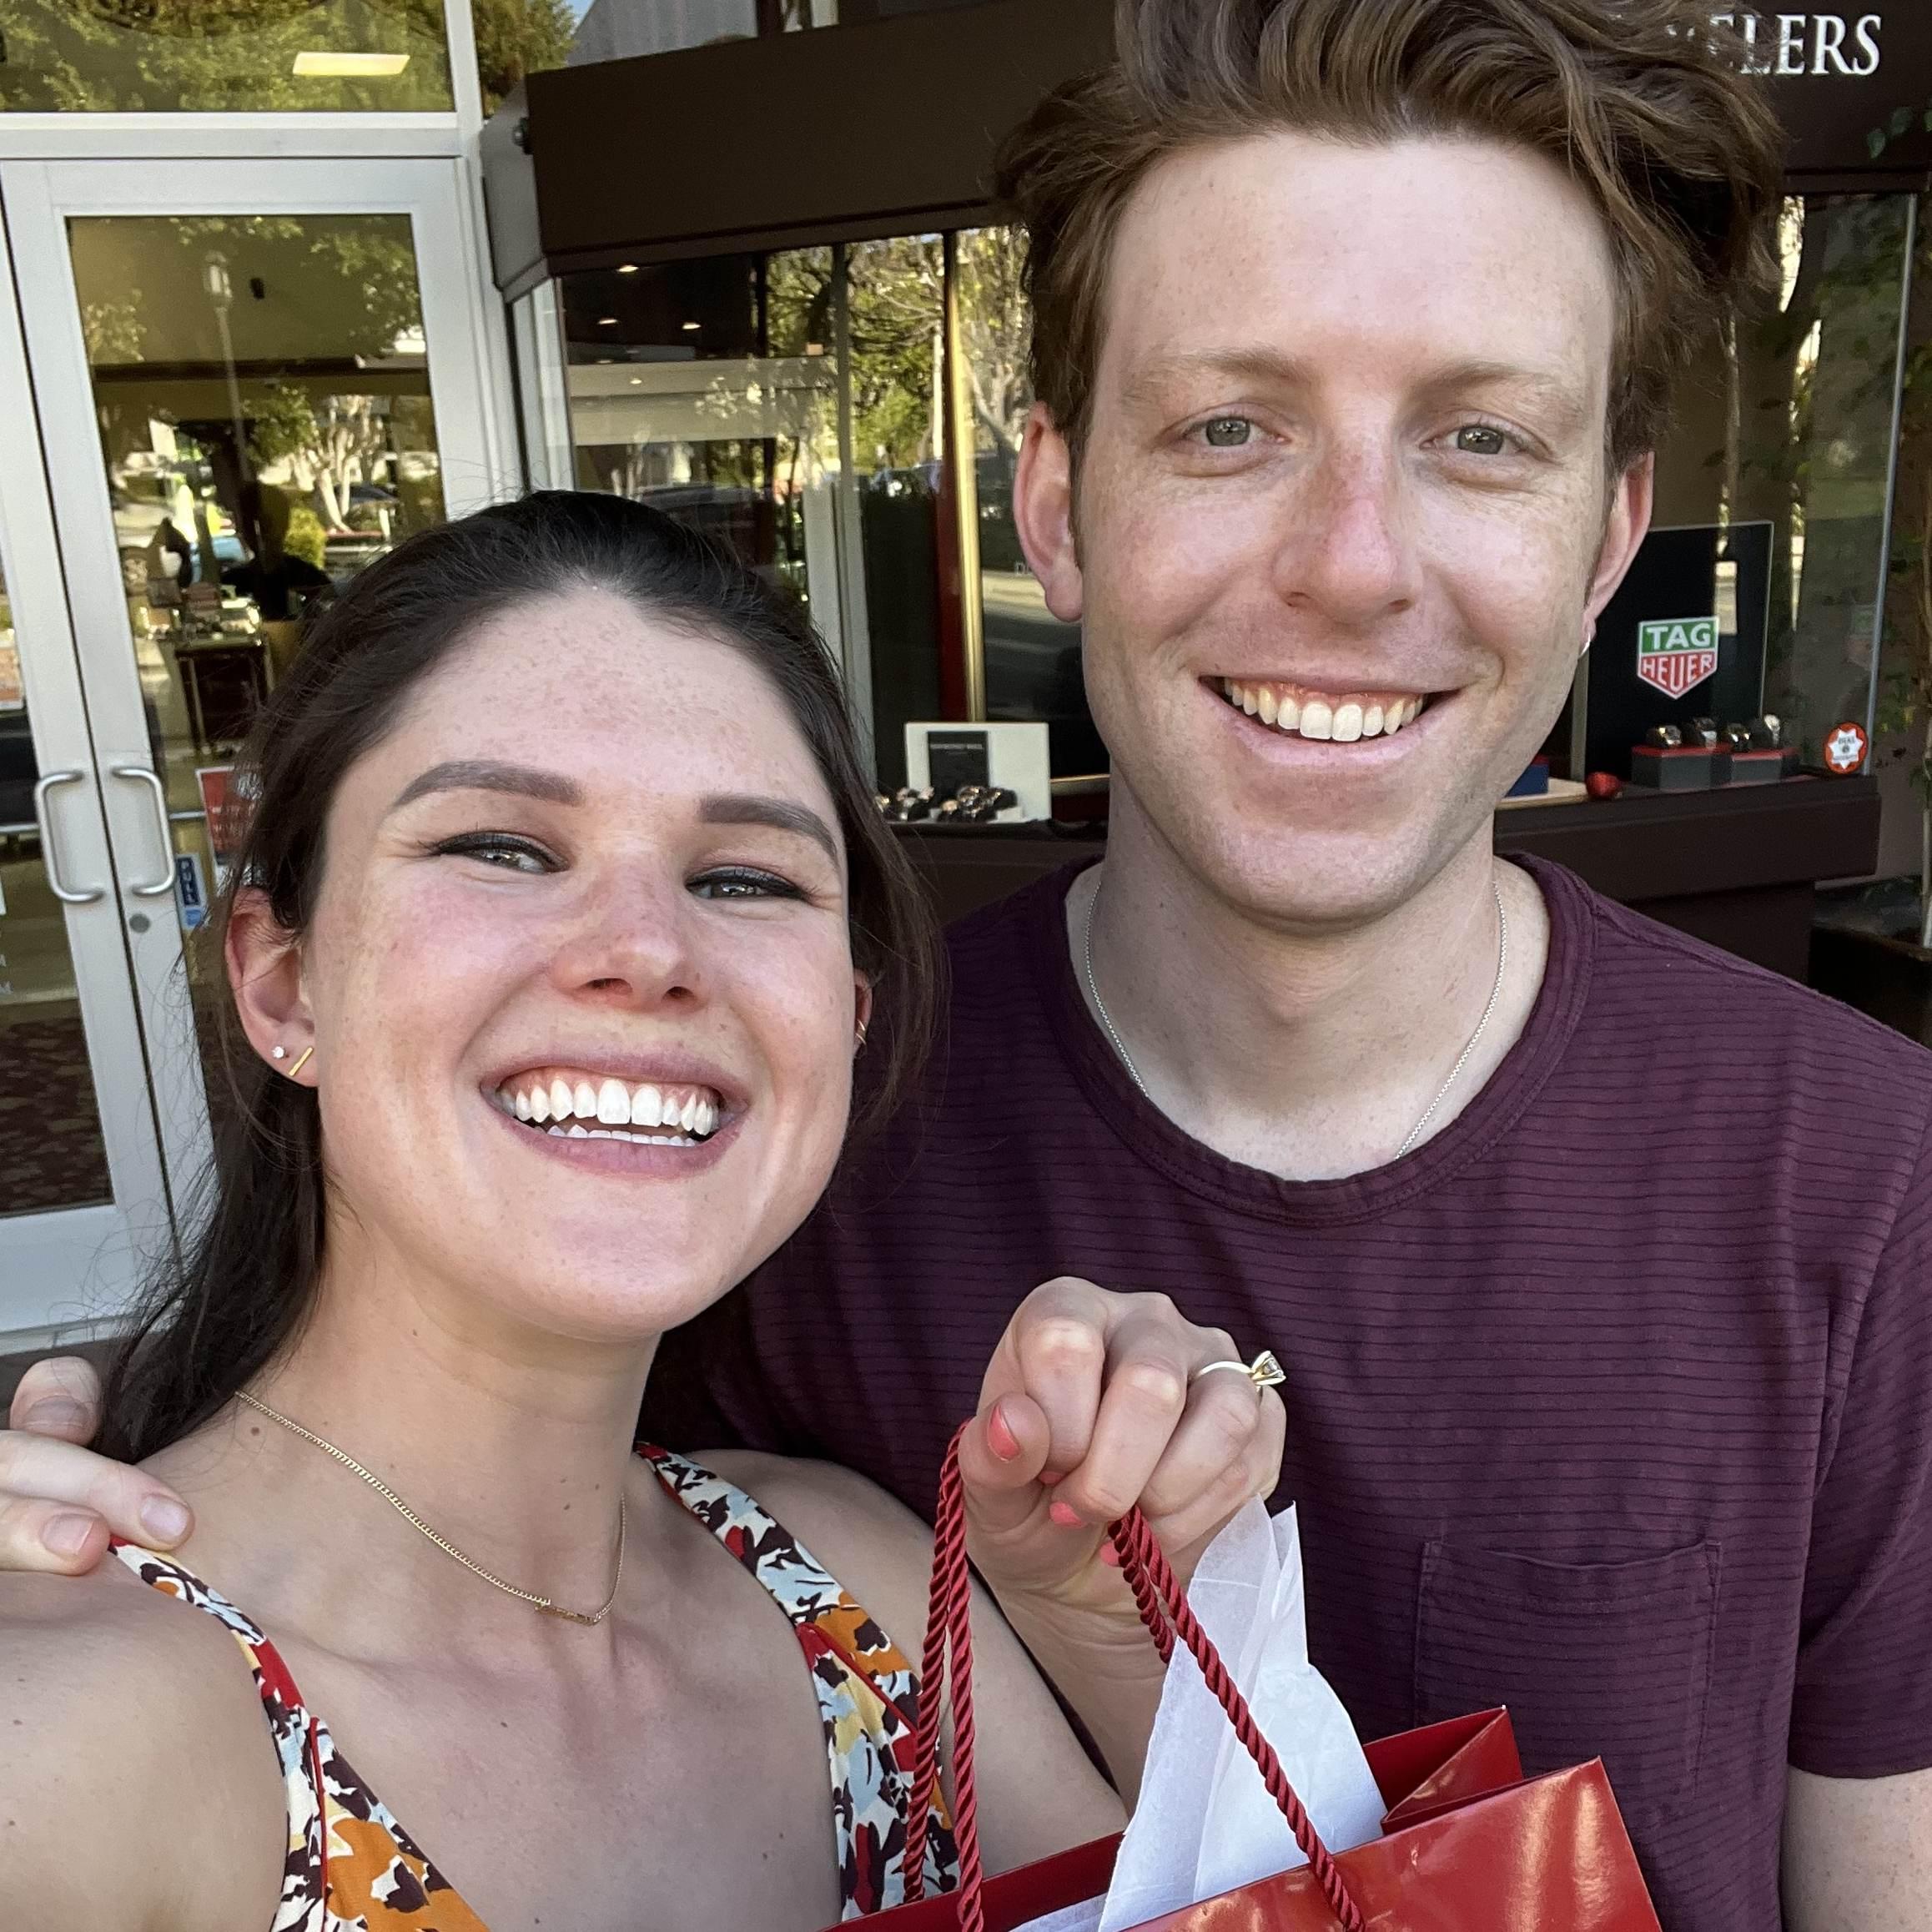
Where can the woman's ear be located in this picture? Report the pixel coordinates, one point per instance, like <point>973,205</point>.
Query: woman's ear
<point>264,974</point>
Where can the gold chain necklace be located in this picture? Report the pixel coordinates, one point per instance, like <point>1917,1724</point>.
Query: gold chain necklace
<point>443,1543</point>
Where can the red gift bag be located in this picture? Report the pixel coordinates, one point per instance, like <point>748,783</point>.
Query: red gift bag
<point>1468,1844</point>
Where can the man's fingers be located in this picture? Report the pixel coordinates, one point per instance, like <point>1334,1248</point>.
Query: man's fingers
<point>61,1397</point>
<point>37,1469</point>
<point>51,1537</point>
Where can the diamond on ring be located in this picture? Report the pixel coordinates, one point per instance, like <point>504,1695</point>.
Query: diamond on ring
<point>1264,1371</point>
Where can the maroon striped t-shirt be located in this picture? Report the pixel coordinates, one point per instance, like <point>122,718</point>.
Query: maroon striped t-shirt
<point>1612,1403</point>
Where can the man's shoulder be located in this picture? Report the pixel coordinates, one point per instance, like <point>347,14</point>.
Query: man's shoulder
<point>1003,939</point>
<point>1694,1005</point>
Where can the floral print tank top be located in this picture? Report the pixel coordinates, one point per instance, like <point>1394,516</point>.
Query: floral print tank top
<point>351,1867</point>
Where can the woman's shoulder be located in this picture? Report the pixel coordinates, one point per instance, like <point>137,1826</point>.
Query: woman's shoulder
<point>138,1781</point>
<point>878,1549</point>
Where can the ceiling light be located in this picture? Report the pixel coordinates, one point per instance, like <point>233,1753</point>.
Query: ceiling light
<point>690,325</point>
<point>626,268</point>
<point>371,66</point>
<point>607,321</point>
<point>637,382</point>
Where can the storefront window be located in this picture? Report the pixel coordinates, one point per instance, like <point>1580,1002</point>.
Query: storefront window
<point>1772,487</point>
<point>241,56</point>
<point>801,406</point>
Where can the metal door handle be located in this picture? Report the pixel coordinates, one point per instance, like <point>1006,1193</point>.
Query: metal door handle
<point>49,857</point>
<point>140,775</point>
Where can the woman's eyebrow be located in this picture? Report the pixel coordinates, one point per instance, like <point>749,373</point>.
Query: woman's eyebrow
<point>751,808</point>
<point>487,775</point>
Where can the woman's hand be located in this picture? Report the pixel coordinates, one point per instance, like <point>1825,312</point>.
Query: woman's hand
<point>1091,1404</point>
<point>59,1501</point>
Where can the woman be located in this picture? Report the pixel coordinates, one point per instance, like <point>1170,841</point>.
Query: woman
<point>562,908</point>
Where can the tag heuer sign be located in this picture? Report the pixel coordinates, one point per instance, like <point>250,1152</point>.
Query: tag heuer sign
<point>1677,654</point>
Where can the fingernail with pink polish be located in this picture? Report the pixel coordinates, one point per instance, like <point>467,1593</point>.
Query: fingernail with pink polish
<point>1065,1514</point>
<point>1000,1436</point>
<point>1109,1556</point>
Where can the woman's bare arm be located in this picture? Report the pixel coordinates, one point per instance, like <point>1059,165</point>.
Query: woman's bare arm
<point>1039,1791</point>
<point>139,1790</point>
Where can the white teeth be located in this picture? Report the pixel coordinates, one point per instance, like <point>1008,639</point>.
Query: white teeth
<point>1250,703</point>
<point>707,1118</point>
<point>1371,721</point>
<point>1317,720</point>
<point>1289,718</point>
<point>1267,707</point>
<point>1347,724</point>
<point>540,1103</point>
<point>583,1101</point>
<point>646,1103</point>
<point>519,1105</point>
<point>614,1103</point>
<point>578,1133</point>
<point>689,1118</point>
<point>560,1103</point>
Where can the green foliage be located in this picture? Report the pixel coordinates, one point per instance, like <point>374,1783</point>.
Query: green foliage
<point>163,56</point>
<point>1878,140</point>
<point>515,37</point>
<point>305,537</point>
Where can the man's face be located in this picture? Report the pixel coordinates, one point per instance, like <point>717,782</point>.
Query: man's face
<point>1341,523</point>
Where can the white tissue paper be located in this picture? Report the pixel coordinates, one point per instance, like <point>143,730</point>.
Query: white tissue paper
<point>1205,1823</point>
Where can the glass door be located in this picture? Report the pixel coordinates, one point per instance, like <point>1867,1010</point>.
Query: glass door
<point>82,1196</point>
<point>251,384</point>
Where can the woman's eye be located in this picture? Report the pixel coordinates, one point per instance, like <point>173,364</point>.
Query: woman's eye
<point>510,854</point>
<point>740,882</point>
<point>1481,439</point>
<point>1227,432</point>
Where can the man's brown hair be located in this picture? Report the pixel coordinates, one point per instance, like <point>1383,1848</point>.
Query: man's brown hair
<point>1642,102</point>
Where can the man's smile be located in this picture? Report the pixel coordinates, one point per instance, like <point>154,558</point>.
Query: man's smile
<point>1304,711</point>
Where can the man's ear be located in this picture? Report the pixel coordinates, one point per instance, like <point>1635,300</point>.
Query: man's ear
<point>1043,513</point>
<point>1632,500</point>
<point>264,974</point>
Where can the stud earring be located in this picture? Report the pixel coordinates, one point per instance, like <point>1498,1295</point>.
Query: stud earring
<point>278,1052</point>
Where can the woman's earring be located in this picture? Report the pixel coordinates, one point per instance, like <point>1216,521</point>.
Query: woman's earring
<point>279,1053</point>
<point>308,1053</point>
<point>858,1045</point>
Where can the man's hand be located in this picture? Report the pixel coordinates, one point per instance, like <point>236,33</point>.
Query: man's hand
<point>59,1502</point>
<point>1090,1406</point>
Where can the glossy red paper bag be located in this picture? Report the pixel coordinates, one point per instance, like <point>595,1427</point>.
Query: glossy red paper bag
<point>1467,1844</point>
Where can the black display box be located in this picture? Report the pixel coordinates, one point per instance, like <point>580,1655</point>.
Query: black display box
<point>1683,637</point>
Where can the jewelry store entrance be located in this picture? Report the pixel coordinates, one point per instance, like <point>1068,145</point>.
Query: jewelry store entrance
<point>224,391</point>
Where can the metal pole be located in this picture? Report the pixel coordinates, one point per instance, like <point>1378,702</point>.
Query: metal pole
<point>1892,467</point>
<point>965,489</point>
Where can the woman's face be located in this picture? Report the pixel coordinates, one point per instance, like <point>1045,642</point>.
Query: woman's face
<point>582,996</point>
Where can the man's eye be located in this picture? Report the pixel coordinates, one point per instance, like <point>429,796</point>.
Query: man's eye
<point>1227,432</point>
<point>499,849</point>
<point>741,882</point>
<point>1481,440</point>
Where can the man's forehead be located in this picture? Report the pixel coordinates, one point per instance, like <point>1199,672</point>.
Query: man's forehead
<point>1453,253</point>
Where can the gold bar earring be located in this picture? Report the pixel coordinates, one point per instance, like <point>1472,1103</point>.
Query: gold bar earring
<point>307,1054</point>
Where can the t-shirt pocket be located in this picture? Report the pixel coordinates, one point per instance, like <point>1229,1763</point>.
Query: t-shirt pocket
<point>1594,1660</point>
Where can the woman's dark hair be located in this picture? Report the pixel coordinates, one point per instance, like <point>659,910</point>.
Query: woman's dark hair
<point>241,1288</point>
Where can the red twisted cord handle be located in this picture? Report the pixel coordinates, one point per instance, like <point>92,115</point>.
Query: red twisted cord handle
<point>1141,1556</point>
<point>1163,1609</point>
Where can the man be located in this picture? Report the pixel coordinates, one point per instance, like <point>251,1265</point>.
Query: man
<point>1597,1260</point>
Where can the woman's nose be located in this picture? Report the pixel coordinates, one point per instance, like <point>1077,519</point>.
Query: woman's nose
<point>634,942</point>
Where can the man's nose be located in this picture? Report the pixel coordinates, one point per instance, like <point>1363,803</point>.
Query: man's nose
<point>633,942</point>
<point>1345,548</point>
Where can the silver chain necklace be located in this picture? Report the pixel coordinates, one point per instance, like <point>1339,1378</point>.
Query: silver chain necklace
<point>1428,1113</point>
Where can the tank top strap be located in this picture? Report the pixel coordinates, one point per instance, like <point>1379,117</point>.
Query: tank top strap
<point>350,1866</point>
<point>866,1689</point>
